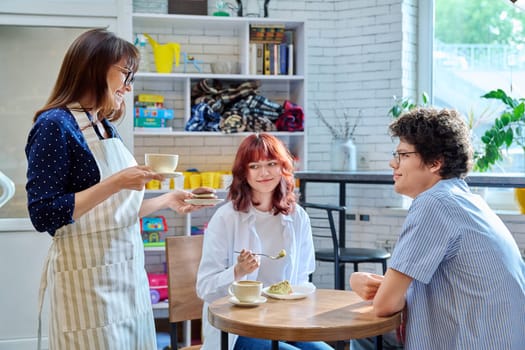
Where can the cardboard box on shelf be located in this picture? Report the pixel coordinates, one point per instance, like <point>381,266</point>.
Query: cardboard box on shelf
<point>151,122</point>
<point>154,113</point>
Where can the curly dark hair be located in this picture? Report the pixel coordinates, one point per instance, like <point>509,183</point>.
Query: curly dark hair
<point>437,134</point>
<point>254,148</point>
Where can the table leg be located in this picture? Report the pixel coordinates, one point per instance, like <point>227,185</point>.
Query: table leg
<point>224,340</point>
<point>342,232</point>
<point>378,340</point>
<point>275,345</point>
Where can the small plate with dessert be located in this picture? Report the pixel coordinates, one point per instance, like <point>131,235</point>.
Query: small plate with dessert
<point>204,199</point>
<point>284,290</point>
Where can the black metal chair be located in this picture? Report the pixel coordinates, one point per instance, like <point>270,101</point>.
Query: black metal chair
<point>323,227</point>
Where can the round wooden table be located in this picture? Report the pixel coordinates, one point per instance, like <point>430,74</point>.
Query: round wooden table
<point>325,315</point>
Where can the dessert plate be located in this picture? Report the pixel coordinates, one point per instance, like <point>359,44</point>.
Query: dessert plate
<point>173,174</point>
<point>204,201</point>
<point>299,291</point>
<point>236,301</point>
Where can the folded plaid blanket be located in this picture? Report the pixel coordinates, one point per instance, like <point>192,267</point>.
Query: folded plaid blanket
<point>257,113</point>
<point>211,92</point>
<point>203,118</point>
<point>239,108</point>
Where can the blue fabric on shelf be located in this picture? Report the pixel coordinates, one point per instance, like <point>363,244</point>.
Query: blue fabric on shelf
<point>203,118</point>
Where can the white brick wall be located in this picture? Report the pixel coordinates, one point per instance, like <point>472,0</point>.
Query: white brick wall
<point>360,54</point>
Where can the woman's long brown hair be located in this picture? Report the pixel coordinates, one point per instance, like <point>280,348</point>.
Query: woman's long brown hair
<point>255,148</point>
<point>84,72</point>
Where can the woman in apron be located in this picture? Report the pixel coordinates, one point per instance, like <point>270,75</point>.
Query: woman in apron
<point>85,188</point>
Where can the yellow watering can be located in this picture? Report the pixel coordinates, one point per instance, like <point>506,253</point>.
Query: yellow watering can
<point>164,54</point>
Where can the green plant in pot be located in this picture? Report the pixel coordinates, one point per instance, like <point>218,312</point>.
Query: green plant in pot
<point>507,130</point>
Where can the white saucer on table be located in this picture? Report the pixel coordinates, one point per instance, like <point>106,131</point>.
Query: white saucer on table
<point>236,301</point>
<point>171,174</point>
<point>300,291</point>
<point>204,201</point>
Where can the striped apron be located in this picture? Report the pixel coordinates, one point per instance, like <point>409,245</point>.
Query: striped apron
<point>98,286</point>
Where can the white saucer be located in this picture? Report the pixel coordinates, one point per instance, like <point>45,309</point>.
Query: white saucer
<point>236,301</point>
<point>299,292</point>
<point>204,201</point>
<point>173,174</point>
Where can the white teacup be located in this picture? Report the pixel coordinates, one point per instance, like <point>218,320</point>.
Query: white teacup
<point>161,163</point>
<point>246,291</point>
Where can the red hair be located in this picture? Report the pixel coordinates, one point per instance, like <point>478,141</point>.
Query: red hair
<point>255,148</point>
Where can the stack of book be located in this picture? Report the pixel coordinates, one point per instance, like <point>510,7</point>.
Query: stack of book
<point>150,114</point>
<point>271,50</point>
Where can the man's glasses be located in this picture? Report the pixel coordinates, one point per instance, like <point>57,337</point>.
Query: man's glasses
<point>130,76</point>
<point>397,155</point>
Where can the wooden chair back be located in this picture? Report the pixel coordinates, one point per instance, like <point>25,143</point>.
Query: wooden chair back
<point>183,255</point>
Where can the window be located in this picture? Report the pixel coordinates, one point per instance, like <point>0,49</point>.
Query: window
<point>477,46</point>
<point>467,49</point>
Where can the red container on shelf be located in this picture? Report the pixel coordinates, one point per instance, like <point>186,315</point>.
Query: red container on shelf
<point>158,286</point>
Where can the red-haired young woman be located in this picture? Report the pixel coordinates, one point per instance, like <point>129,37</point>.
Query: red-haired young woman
<point>260,216</point>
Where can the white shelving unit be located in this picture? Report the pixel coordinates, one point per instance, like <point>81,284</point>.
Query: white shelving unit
<point>210,39</point>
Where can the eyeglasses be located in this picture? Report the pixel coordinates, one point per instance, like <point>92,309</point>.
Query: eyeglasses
<point>130,76</point>
<point>397,155</point>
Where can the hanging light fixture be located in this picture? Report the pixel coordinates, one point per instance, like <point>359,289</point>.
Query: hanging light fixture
<point>519,3</point>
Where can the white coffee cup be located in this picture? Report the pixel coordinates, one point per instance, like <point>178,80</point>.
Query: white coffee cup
<point>246,291</point>
<point>161,163</point>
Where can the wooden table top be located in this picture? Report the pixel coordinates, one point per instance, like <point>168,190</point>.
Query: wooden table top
<point>325,315</point>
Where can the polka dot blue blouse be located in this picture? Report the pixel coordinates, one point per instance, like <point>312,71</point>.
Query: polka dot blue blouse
<point>59,165</point>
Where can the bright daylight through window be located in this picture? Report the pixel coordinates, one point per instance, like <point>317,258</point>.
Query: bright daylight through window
<point>479,46</point>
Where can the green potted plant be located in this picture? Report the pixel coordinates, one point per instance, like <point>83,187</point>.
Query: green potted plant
<point>508,129</point>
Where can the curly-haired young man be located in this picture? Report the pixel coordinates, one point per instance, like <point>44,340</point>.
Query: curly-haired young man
<point>456,268</point>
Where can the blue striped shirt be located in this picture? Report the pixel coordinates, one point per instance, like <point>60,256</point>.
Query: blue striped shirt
<point>468,290</point>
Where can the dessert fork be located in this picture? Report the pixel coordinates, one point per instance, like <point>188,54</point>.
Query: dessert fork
<point>280,255</point>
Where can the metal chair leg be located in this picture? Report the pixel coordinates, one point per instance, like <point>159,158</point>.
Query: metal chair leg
<point>173,336</point>
<point>378,342</point>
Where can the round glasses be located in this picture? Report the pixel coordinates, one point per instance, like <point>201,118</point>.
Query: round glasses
<point>130,76</point>
<point>397,155</point>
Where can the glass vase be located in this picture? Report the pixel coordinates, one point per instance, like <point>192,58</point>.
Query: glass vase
<point>343,155</point>
<point>251,8</point>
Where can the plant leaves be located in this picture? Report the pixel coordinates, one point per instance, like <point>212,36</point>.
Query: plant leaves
<point>424,98</point>
<point>509,137</point>
<point>499,94</point>
<point>505,119</point>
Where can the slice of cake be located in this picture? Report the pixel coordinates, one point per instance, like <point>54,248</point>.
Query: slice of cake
<point>282,287</point>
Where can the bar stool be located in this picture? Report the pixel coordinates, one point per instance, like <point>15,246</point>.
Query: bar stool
<point>323,228</point>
